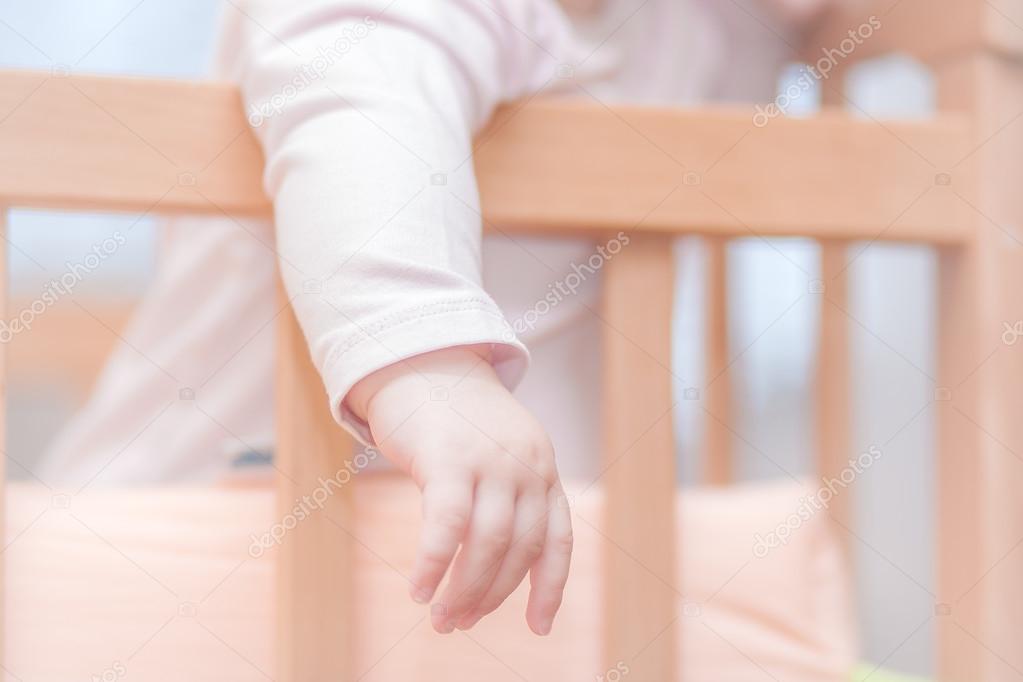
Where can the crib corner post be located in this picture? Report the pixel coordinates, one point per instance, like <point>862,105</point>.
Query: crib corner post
<point>315,561</point>
<point>639,560</point>
<point>979,608</point>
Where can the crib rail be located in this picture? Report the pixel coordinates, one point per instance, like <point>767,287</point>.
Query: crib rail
<point>926,29</point>
<point>88,143</point>
<point>91,143</point>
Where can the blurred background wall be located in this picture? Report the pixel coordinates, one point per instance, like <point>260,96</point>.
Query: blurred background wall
<point>773,316</point>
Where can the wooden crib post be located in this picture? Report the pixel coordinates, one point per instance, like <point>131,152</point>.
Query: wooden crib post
<point>316,618</point>
<point>833,381</point>
<point>980,393</point>
<point>975,49</point>
<point>718,464</point>
<point>833,388</point>
<point>640,604</point>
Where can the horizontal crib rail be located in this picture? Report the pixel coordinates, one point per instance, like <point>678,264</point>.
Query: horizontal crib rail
<point>924,29</point>
<point>116,144</point>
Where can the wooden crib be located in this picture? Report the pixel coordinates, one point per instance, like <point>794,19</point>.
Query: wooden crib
<point>582,168</point>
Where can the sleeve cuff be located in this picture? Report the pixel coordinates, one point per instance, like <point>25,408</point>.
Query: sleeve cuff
<point>420,332</point>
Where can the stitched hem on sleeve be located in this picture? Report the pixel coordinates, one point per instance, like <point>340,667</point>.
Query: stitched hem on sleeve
<point>396,338</point>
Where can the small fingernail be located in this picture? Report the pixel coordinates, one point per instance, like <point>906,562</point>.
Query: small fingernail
<point>420,596</point>
<point>441,623</point>
<point>545,627</point>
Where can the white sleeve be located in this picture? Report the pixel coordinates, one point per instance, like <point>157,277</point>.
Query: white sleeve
<point>366,110</point>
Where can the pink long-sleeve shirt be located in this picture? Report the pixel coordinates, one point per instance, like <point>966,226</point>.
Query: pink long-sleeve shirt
<point>366,110</point>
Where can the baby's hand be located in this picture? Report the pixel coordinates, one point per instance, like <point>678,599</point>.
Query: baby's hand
<point>487,474</point>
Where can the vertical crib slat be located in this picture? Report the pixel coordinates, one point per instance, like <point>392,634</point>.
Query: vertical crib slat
<point>718,464</point>
<point>980,433</point>
<point>964,456</point>
<point>316,618</point>
<point>640,605</point>
<point>833,381</point>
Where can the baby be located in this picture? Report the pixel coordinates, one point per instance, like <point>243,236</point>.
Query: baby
<point>366,110</point>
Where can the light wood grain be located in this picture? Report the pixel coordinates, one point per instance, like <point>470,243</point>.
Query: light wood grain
<point>832,383</point>
<point>930,30</point>
<point>547,166</point>
<point>317,619</point>
<point>718,457</point>
<point>833,380</point>
<point>640,600</point>
<point>94,143</point>
<point>557,166</point>
<point>980,434</point>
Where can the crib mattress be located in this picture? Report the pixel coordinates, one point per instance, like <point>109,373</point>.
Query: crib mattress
<point>161,584</point>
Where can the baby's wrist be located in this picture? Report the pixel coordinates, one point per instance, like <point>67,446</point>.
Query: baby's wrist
<point>419,372</point>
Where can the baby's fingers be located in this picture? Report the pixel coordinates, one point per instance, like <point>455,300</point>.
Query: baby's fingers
<point>529,539</point>
<point>447,509</point>
<point>549,574</point>
<point>483,551</point>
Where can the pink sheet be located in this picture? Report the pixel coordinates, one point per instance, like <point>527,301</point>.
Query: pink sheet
<point>159,584</point>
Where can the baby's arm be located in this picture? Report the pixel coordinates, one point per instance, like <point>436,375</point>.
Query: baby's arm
<point>366,111</point>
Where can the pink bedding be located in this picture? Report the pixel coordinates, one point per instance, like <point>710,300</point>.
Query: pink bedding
<point>159,584</point>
